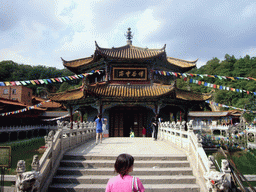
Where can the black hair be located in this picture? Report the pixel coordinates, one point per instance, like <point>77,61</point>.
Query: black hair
<point>123,163</point>
<point>100,116</point>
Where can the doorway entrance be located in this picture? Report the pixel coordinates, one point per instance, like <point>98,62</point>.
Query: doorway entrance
<point>123,119</point>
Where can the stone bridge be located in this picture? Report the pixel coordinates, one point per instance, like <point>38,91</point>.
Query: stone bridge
<point>175,162</point>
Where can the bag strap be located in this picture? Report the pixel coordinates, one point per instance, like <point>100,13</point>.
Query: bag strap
<point>136,183</point>
<point>133,183</point>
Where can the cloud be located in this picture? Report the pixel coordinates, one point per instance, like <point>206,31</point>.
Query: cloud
<point>147,24</point>
<point>249,11</point>
<point>43,31</point>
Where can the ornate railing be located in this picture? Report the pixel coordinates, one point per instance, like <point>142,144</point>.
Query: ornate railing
<point>191,144</point>
<point>26,128</point>
<point>57,143</point>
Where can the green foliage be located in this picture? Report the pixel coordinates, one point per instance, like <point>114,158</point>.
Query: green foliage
<point>11,71</point>
<point>244,161</point>
<point>23,150</point>
<point>231,67</point>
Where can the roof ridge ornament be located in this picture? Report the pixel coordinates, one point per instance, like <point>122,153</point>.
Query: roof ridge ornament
<point>129,36</point>
<point>97,46</point>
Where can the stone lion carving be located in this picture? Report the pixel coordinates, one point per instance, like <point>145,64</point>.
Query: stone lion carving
<point>173,125</point>
<point>183,125</point>
<point>190,125</point>
<point>35,163</point>
<point>21,166</point>
<point>48,139</point>
<point>216,181</point>
<point>28,181</point>
<point>177,126</point>
<point>60,124</point>
<point>225,165</point>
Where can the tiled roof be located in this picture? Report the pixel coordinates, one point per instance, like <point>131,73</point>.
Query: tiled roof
<point>191,96</point>
<point>181,63</point>
<point>129,52</point>
<point>46,104</point>
<point>10,102</point>
<point>131,91</point>
<point>124,91</point>
<point>74,94</point>
<point>78,62</point>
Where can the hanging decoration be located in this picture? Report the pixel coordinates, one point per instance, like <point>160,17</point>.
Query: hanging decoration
<point>167,73</point>
<point>198,82</point>
<point>48,80</point>
<point>220,87</point>
<point>23,110</point>
<point>227,139</point>
<point>226,106</point>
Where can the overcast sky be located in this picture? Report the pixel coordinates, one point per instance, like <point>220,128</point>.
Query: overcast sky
<point>39,32</point>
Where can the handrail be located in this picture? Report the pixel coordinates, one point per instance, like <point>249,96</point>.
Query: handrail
<point>235,172</point>
<point>188,141</point>
<point>57,144</point>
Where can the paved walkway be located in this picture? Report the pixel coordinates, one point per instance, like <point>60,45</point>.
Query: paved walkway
<point>134,146</point>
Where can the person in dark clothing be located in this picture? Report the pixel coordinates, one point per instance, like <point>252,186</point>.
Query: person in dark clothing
<point>155,127</point>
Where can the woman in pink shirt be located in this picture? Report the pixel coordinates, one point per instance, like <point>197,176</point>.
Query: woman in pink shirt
<point>124,182</point>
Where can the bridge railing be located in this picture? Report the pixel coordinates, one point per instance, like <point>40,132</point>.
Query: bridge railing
<point>26,128</point>
<point>57,144</point>
<point>190,143</point>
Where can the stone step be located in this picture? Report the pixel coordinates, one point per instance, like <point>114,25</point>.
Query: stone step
<point>102,187</point>
<point>110,163</point>
<point>136,171</point>
<point>145,179</point>
<point>68,156</point>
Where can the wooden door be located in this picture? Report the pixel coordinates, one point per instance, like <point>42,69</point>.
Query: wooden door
<point>124,118</point>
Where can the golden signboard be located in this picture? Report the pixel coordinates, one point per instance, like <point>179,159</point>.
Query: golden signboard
<point>5,156</point>
<point>125,73</point>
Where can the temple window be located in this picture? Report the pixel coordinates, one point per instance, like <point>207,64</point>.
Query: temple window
<point>14,91</point>
<point>5,91</point>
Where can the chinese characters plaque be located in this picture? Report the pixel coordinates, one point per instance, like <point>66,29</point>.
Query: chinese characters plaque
<point>129,73</point>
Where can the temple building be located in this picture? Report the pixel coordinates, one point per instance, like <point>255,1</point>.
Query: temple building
<point>126,89</point>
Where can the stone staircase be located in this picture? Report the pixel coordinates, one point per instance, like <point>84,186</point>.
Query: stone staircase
<point>81,173</point>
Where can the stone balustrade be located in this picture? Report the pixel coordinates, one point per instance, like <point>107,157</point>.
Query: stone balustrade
<point>57,143</point>
<point>26,128</point>
<point>191,143</point>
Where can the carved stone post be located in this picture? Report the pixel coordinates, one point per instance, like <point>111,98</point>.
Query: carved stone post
<point>226,169</point>
<point>49,139</point>
<point>35,163</point>
<point>210,163</point>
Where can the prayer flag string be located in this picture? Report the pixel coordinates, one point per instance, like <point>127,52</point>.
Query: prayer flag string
<point>48,80</point>
<point>24,109</point>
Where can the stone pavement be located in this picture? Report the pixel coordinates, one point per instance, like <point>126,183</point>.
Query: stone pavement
<point>134,146</point>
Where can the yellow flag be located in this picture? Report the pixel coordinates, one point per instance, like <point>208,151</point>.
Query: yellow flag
<point>33,82</point>
<point>7,83</point>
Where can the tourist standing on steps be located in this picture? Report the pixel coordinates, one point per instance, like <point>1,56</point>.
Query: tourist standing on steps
<point>124,182</point>
<point>99,123</point>
<point>155,127</point>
